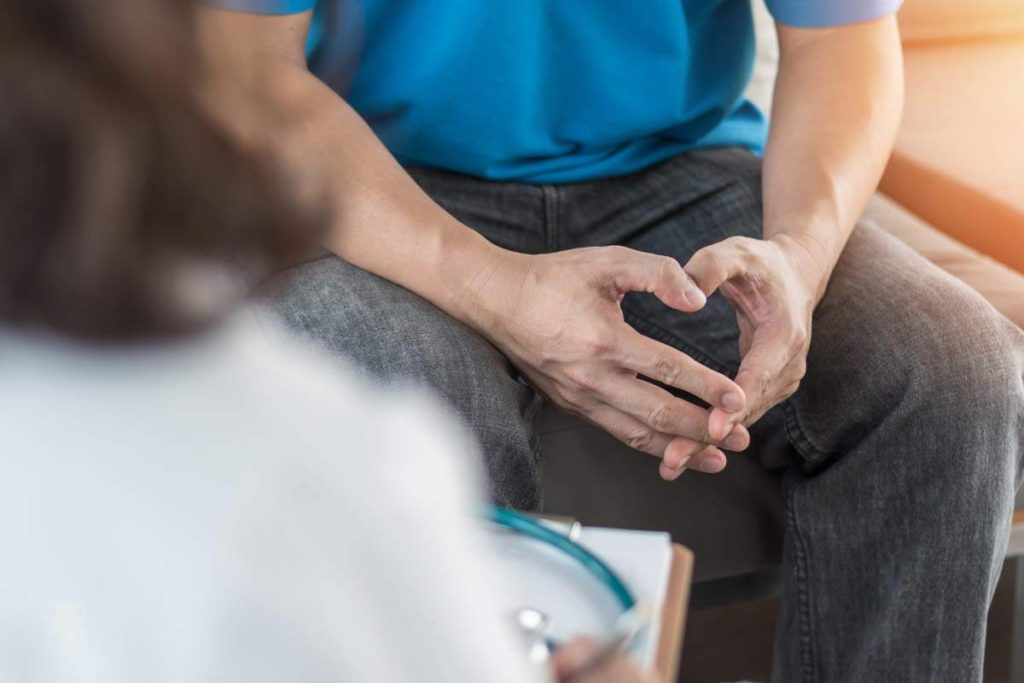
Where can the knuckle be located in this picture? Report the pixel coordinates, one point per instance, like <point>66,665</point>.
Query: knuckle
<point>709,255</point>
<point>801,371</point>
<point>667,371</point>
<point>616,254</point>
<point>799,336</point>
<point>640,439</point>
<point>574,401</point>
<point>748,250</point>
<point>582,399</point>
<point>705,436</point>
<point>661,417</point>
<point>572,405</point>
<point>669,266</point>
<point>741,246</point>
<point>704,255</point>
<point>670,272</point>
<point>705,386</point>
<point>598,343</point>
<point>714,265</point>
<point>583,379</point>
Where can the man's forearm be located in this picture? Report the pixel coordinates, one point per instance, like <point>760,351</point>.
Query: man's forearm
<point>838,100</point>
<point>380,219</point>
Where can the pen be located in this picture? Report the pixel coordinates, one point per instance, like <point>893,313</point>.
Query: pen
<point>627,627</point>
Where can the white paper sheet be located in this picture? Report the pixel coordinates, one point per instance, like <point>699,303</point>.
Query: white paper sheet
<point>577,603</point>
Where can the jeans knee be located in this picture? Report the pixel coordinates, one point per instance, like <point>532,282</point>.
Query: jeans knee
<point>393,336</point>
<point>961,353</point>
<point>968,378</point>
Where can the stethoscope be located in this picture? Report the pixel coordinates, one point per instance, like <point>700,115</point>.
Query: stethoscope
<point>595,566</point>
<point>534,624</point>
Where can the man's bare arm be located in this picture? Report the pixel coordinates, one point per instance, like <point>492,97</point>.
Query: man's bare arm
<point>383,222</point>
<point>556,316</point>
<point>838,100</point>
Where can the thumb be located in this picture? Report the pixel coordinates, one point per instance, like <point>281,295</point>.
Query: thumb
<point>569,657</point>
<point>662,276</point>
<point>712,266</point>
<point>572,663</point>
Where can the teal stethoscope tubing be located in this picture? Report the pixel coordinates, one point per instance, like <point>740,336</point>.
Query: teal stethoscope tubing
<point>520,523</point>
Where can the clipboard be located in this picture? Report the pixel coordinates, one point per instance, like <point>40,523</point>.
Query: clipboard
<point>673,613</point>
<point>654,568</point>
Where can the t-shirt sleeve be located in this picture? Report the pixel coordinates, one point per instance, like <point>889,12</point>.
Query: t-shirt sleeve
<point>263,6</point>
<point>821,13</point>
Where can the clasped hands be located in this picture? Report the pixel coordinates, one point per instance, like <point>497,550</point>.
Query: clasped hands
<point>558,317</point>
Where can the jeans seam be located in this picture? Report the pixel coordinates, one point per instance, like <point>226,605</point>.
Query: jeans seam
<point>804,615</point>
<point>529,415</point>
<point>798,437</point>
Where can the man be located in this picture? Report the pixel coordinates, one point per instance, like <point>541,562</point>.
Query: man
<point>568,157</point>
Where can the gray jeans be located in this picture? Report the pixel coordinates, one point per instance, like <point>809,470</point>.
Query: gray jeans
<point>903,446</point>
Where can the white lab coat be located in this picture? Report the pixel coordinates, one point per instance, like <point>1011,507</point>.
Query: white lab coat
<point>227,509</point>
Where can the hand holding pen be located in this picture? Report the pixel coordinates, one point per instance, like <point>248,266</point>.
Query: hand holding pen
<point>587,660</point>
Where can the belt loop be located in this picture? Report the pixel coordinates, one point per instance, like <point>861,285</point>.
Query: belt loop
<point>552,200</point>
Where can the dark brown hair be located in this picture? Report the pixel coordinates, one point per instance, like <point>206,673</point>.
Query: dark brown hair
<point>123,208</point>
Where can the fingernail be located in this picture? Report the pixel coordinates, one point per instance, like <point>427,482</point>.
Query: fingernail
<point>735,441</point>
<point>669,473</point>
<point>695,296</point>
<point>698,462</point>
<point>683,462</point>
<point>732,402</point>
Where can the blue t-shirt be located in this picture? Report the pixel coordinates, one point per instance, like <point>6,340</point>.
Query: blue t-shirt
<point>549,91</point>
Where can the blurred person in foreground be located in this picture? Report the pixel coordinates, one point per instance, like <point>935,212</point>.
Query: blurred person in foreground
<point>183,500</point>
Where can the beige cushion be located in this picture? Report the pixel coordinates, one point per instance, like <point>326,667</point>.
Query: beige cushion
<point>958,162</point>
<point>946,20</point>
<point>1003,287</point>
<point>959,159</point>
